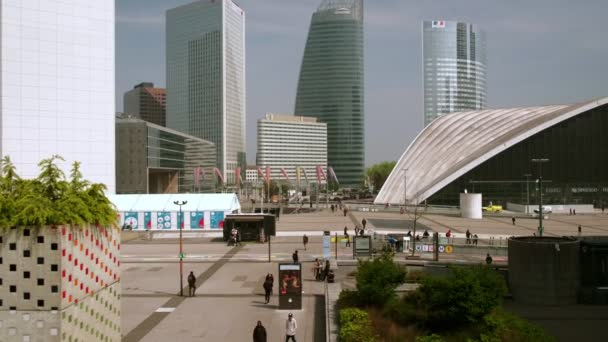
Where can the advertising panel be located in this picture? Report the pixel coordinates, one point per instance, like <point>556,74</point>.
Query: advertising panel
<point>197,220</point>
<point>131,220</point>
<point>290,286</point>
<point>148,220</point>
<point>217,219</point>
<point>163,220</point>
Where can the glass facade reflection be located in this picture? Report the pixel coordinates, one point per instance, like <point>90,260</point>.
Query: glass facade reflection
<point>330,86</point>
<point>454,55</point>
<point>154,159</point>
<point>577,172</point>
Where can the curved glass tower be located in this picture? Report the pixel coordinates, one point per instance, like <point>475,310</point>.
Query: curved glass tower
<point>331,84</point>
<point>454,56</point>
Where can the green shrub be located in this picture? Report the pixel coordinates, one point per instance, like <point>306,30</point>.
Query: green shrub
<point>355,326</point>
<point>430,338</point>
<point>348,299</point>
<point>462,298</point>
<point>377,280</point>
<point>51,199</point>
<point>502,326</point>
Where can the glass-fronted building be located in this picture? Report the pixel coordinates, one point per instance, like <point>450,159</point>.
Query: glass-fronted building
<point>151,159</point>
<point>491,151</point>
<point>331,84</point>
<point>206,77</point>
<point>454,57</point>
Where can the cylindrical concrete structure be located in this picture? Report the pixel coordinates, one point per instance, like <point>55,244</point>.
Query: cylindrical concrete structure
<point>470,205</point>
<point>544,270</point>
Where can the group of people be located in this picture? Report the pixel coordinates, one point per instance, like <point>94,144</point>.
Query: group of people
<point>291,325</point>
<point>472,239</point>
<point>319,271</point>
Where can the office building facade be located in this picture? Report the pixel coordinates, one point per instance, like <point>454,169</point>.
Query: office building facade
<point>146,102</point>
<point>287,141</point>
<point>206,77</point>
<point>454,57</point>
<point>151,159</point>
<point>331,84</point>
<point>57,85</point>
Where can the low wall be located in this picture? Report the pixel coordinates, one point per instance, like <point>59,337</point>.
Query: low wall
<point>555,208</point>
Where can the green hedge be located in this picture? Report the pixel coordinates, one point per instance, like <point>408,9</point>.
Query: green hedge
<point>355,326</point>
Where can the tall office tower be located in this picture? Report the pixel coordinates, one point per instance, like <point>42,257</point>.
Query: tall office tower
<point>147,103</point>
<point>287,141</point>
<point>57,85</point>
<point>331,84</point>
<point>206,77</point>
<point>454,57</point>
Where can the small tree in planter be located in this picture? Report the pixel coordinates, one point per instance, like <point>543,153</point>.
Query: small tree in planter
<point>60,256</point>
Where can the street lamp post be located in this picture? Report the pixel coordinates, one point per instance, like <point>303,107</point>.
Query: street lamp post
<point>181,254</point>
<point>540,162</point>
<point>527,175</point>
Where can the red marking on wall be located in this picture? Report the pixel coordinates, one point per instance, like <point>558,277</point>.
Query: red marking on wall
<point>63,252</point>
<point>70,237</point>
<point>62,231</point>
<point>63,274</point>
<point>63,294</point>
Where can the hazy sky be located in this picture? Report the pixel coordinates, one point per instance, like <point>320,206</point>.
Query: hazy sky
<point>539,52</point>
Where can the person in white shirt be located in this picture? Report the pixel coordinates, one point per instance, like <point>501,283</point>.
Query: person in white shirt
<point>290,328</point>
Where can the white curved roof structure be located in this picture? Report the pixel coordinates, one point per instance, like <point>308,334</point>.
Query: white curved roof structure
<point>456,143</point>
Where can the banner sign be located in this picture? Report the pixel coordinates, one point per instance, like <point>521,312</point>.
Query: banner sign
<point>197,220</point>
<point>148,220</point>
<point>163,220</point>
<point>131,219</point>
<point>217,219</point>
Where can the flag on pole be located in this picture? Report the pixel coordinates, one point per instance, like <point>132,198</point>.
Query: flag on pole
<point>298,175</point>
<point>261,173</point>
<point>332,174</point>
<point>305,175</point>
<point>320,174</point>
<point>284,173</point>
<point>219,174</point>
<point>267,177</point>
<point>237,176</point>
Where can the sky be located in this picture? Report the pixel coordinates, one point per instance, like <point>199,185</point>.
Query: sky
<point>539,52</point>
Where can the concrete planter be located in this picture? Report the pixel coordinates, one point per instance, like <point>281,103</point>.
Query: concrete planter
<point>60,284</point>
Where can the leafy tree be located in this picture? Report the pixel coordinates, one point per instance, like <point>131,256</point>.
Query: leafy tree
<point>462,298</point>
<point>378,173</point>
<point>377,280</point>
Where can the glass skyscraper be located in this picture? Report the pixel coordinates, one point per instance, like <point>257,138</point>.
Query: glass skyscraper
<point>331,84</point>
<point>454,57</point>
<point>206,76</point>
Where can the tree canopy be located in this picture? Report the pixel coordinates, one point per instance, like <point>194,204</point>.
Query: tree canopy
<point>51,199</point>
<point>378,173</point>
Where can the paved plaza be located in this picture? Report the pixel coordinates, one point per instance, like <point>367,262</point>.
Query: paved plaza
<point>229,297</point>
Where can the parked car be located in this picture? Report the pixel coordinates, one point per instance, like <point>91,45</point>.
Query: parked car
<point>492,208</point>
<point>546,210</point>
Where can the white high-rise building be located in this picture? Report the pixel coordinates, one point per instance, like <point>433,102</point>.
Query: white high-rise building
<point>288,141</point>
<point>206,77</point>
<point>57,85</point>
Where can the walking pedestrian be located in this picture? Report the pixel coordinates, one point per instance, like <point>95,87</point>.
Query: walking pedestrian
<point>475,239</point>
<point>332,208</point>
<point>570,211</point>
<point>290,328</point>
<point>362,231</point>
<point>305,241</point>
<point>267,290</point>
<point>448,234</point>
<point>191,284</point>
<point>270,277</point>
<point>488,259</point>
<point>513,220</point>
<point>345,230</point>
<point>580,230</point>
<point>603,208</point>
<point>356,230</point>
<point>295,257</point>
<point>347,238</point>
<point>468,235</point>
<point>364,222</point>
<point>573,211</point>
<point>326,269</point>
<point>345,211</point>
<point>259,333</point>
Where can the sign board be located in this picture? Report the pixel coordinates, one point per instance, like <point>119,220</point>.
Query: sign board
<point>362,245</point>
<point>326,247</point>
<point>290,286</point>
